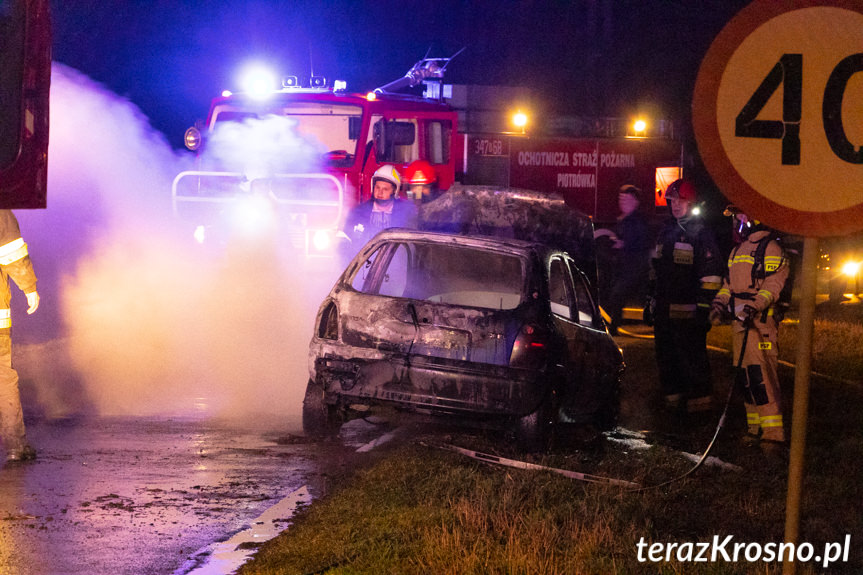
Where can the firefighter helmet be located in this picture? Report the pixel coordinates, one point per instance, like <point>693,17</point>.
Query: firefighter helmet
<point>420,172</point>
<point>681,190</point>
<point>390,174</point>
<point>743,224</point>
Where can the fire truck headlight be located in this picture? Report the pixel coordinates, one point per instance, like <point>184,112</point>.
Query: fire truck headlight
<point>253,214</point>
<point>192,138</point>
<point>259,83</point>
<point>851,269</point>
<point>321,240</point>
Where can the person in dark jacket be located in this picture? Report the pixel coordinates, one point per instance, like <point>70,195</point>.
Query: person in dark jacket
<point>14,263</point>
<point>632,261</point>
<point>686,273</point>
<point>383,211</point>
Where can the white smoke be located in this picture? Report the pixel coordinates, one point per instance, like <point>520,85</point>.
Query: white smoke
<point>263,146</point>
<point>143,322</point>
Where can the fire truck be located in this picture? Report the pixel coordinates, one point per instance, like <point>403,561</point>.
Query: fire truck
<point>25,79</point>
<point>310,151</point>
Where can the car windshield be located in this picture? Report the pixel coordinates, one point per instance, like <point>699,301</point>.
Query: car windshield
<point>331,129</point>
<point>449,274</point>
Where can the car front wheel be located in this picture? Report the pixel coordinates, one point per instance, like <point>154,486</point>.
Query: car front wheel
<point>319,418</point>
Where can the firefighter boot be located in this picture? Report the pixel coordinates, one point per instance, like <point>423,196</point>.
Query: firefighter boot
<point>776,452</point>
<point>753,427</point>
<point>18,455</point>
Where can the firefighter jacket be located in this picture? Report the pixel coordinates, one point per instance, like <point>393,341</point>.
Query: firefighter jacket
<point>751,282</point>
<point>364,221</point>
<point>686,269</point>
<point>14,263</point>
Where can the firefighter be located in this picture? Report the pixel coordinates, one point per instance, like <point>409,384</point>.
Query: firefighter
<point>631,264</point>
<point>758,271</point>
<point>686,271</point>
<point>422,181</point>
<point>383,210</point>
<point>14,263</point>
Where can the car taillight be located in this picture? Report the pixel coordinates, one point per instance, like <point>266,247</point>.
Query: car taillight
<point>530,349</point>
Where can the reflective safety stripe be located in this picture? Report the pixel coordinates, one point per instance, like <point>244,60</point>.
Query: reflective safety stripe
<point>711,282</point>
<point>771,421</point>
<point>5,318</point>
<point>724,291</point>
<point>752,418</point>
<point>13,251</point>
<point>681,310</point>
<point>766,294</point>
<point>741,259</point>
<point>684,254</point>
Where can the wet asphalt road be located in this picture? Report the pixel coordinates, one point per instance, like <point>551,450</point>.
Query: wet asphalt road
<point>145,495</point>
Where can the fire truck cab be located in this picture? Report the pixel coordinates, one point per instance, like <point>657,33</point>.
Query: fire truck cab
<point>309,153</point>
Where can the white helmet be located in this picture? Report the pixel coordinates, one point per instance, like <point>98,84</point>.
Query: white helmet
<point>388,173</point>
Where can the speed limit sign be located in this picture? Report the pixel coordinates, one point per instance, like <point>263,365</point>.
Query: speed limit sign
<point>778,114</point>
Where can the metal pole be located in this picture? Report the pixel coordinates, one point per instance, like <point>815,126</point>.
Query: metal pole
<point>801,398</point>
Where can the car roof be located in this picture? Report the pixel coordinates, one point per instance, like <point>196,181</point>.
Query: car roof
<point>480,242</point>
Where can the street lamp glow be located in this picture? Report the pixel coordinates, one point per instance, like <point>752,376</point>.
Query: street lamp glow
<point>520,120</point>
<point>851,269</point>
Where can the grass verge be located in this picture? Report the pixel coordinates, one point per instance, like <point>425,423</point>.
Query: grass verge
<point>416,509</point>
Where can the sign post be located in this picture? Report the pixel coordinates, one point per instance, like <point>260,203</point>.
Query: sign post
<point>779,125</point>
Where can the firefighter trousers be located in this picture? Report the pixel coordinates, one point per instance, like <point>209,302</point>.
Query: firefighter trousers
<point>11,415</point>
<point>684,368</point>
<point>758,378</point>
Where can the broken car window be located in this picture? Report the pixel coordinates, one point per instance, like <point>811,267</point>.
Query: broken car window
<point>450,274</point>
<point>559,289</point>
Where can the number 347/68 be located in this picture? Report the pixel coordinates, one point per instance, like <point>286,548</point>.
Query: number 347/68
<point>789,71</point>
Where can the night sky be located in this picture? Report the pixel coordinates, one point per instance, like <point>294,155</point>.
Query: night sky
<point>592,58</point>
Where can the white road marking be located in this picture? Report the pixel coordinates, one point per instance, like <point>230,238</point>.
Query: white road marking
<point>225,557</point>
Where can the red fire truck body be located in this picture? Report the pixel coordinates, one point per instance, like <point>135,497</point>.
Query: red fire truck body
<point>25,78</point>
<point>340,139</point>
<point>586,172</point>
<point>352,135</point>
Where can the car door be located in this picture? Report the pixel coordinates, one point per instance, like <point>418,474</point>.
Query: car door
<point>564,316</point>
<point>598,357</point>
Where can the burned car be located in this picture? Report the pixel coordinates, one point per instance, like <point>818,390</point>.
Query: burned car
<point>472,325</point>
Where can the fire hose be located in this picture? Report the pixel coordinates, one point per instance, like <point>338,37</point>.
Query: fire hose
<point>747,323</point>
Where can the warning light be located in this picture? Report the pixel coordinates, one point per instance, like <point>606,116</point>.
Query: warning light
<point>259,82</point>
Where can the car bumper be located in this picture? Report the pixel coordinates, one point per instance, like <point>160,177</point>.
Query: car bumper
<point>433,385</point>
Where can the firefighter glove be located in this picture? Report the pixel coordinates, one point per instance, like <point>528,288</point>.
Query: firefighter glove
<point>747,314</point>
<point>718,312</point>
<point>32,301</point>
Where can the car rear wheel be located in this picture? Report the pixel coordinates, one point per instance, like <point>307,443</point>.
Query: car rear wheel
<point>607,415</point>
<point>533,432</point>
<point>319,418</point>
